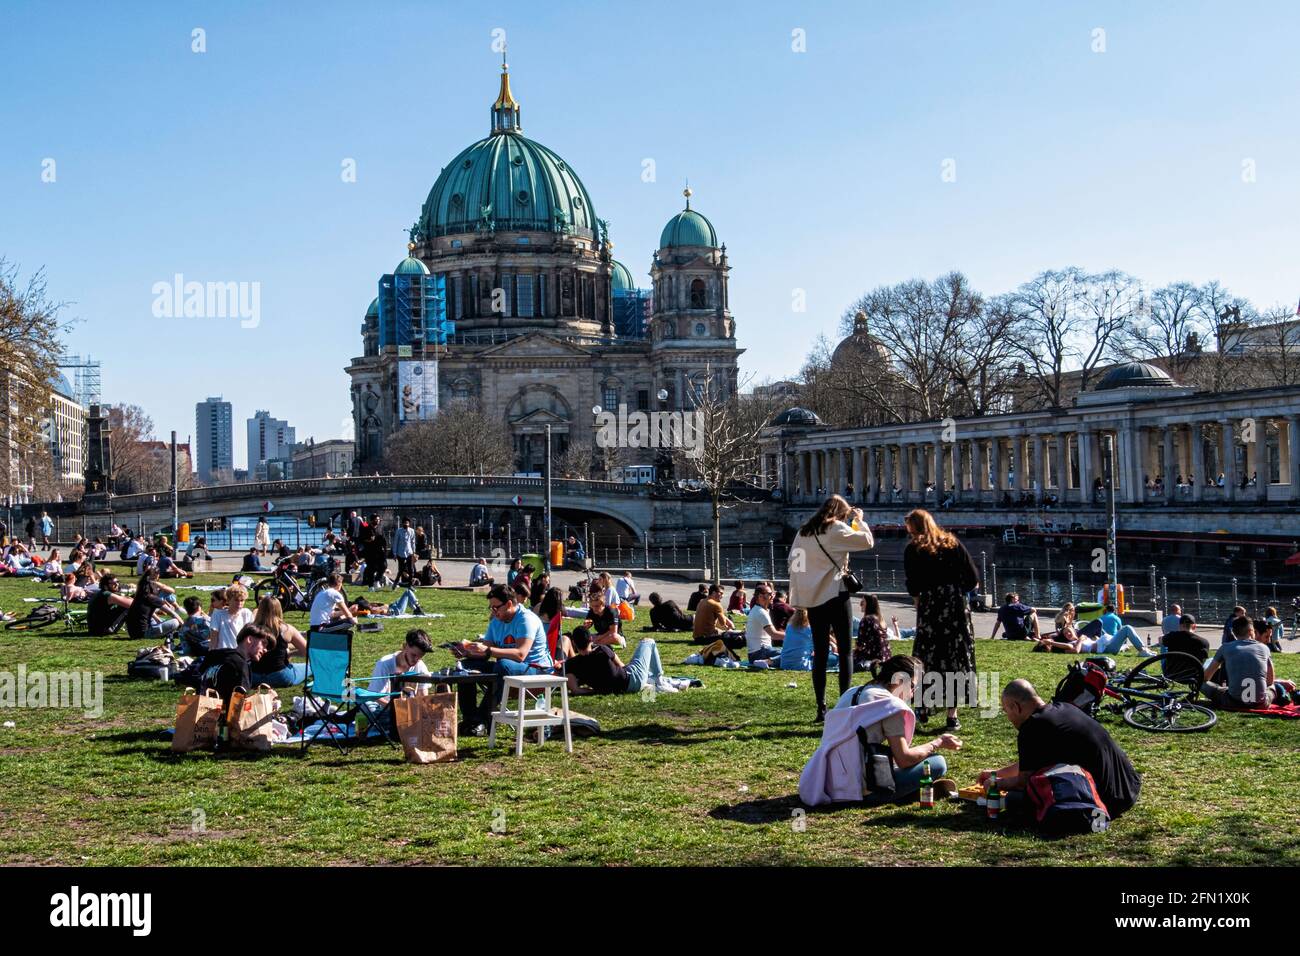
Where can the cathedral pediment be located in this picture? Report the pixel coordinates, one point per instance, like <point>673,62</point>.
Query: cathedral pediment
<point>535,345</point>
<point>539,417</point>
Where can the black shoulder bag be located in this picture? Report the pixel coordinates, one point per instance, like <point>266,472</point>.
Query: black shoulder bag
<point>877,765</point>
<point>849,582</point>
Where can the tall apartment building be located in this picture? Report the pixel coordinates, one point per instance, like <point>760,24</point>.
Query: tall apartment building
<point>214,438</point>
<point>270,447</point>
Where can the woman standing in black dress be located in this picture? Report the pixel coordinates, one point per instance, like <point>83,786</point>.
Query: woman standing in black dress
<point>940,573</point>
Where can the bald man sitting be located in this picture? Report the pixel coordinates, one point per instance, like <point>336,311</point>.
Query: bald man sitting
<point>1048,734</point>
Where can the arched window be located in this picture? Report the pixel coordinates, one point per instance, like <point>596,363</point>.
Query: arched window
<point>699,297</point>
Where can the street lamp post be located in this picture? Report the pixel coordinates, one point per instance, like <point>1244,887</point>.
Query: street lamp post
<point>1112,544</point>
<point>546,558</point>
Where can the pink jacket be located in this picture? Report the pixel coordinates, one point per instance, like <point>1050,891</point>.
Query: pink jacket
<point>834,772</point>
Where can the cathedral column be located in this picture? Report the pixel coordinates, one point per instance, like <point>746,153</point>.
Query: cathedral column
<point>1227,440</point>
<point>1293,455</point>
<point>1197,438</point>
<point>1169,474</point>
<point>871,490</point>
<point>859,486</point>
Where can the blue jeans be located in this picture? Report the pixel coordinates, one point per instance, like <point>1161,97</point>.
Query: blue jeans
<point>1125,635</point>
<point>909,781</point>
<point>289,676</point>
<point>407,602</point>
<point>768,654</point>
<point>645,668</point>
<point>162,628</point>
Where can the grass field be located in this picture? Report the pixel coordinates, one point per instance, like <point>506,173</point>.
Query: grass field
<point>704,777</point>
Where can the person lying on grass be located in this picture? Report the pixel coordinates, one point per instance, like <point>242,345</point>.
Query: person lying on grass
<point>596,669</point>
<point>668,615</point>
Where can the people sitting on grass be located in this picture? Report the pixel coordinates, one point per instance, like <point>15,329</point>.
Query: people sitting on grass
<point>762,638</point>
<point>739,600</point>
<point>106,612</point>
<point>275,668</point>
<point>872,644</point>
<point>667,615</point>
<point>626,588</point>
<point>252,563</point>
<point>1049,734</point>
<point>1019,622</point>
<point>514,644</point>
<point>329,607</point>
<point>227,668</point>
<point>72,592</point>
<point>781,609</point>
<point>408,659</point>
<point>797,648</point>
<point>194,634</point>
<point>898,677</point>
<point>1244,667</point>
<point>516,568</point>
<point>430,575</point>
<point>1065,622</point>
<point>701,594</point>
<point>713,624</point>
<point>229,619</point>
<point>1117,634</point>
<point>596,669</point>
<point>1237,613</point>
<point>142,617</point>
<point>603,620</point>
<point>1171,621</point>
<point>478,574</point>
<point>168,568</point>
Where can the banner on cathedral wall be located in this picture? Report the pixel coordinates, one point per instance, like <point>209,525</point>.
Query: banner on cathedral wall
<point>417,390</point>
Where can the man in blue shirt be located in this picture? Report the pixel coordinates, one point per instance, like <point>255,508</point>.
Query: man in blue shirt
<point>404,552</point>
<point>515,644</point>
<point>1018,621</point>
<point>1117,634</point>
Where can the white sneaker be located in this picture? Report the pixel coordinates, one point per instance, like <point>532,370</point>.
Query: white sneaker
<point>665,686</point>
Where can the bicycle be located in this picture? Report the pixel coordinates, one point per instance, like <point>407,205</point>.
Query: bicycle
<point>1158,695</point>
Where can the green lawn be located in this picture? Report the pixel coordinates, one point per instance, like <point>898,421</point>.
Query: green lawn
<point>703,777</point>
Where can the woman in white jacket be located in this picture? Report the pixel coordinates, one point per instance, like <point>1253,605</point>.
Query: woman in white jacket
<point>818,562</point>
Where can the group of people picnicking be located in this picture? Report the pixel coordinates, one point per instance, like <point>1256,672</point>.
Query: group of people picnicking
<point>811,626</point>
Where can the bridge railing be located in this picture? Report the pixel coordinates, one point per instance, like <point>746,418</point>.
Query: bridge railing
<point>270,490</point>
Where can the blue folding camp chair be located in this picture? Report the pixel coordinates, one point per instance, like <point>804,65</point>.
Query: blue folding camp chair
<point>329,681</point>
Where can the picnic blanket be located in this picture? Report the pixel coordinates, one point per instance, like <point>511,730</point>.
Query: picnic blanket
<point>1286,712</point>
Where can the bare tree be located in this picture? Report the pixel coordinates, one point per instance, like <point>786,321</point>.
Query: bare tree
<point>724,451</point>
<point>134,469</point>
<point>30,350</point>
<point>1227,319</point>
<point>981,365</point>
<point>460,440</point>
<point>1275,347</point>
<point>1066,321</point>
<point>1170,330</point>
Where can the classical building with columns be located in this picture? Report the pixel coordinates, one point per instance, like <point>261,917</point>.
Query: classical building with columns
<point>1160,431</point>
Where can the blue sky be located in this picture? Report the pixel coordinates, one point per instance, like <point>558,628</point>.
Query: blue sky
<point>821,169</point>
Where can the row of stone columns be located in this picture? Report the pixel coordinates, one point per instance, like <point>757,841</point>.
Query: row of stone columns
<point>1066,464</point>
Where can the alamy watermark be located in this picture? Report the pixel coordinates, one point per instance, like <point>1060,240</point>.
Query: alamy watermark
<point>179,299</point>
<point>71,690</point>
<point>684,430</point>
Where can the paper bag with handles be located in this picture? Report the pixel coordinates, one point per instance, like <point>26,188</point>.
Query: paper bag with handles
<point>198,719</point>
<point>426,725</point>
<point>251,717</point>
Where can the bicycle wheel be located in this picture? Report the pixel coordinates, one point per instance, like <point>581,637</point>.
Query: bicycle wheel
<point>1170,716</point>
<point>1176,674</point>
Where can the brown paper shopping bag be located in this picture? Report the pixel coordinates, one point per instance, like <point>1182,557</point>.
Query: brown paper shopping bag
<point>250,725</point>
<point>198,719</point>
<point>426,725</point>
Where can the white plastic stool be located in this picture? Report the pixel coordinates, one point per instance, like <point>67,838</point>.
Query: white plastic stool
<point>523,717</point>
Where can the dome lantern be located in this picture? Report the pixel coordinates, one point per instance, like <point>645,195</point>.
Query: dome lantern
<point>505,111</point>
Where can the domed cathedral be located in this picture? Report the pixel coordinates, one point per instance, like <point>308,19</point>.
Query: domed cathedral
<point>510,299</point>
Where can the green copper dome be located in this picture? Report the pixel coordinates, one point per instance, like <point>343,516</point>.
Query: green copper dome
<point>688,228</point>
<point>620,279</point>
<point>410,267</point>
<point>374,308</point>
<point>507,182</point>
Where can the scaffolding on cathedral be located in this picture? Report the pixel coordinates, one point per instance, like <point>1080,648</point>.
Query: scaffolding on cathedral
<point>631,313</point>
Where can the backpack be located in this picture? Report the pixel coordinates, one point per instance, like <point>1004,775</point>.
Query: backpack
<point>1065,801</point>
<point>1083,686</point>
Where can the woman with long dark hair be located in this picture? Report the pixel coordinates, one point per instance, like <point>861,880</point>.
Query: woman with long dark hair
<point>940,573</point>
<point>819,561</point>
